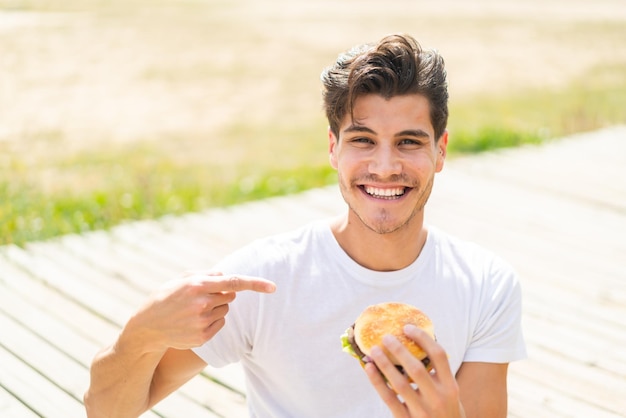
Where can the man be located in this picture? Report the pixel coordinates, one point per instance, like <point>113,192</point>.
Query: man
<point>387,109</point>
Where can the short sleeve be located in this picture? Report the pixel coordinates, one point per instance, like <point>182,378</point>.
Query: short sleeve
<point>498,336</point>
<point>235,339</point>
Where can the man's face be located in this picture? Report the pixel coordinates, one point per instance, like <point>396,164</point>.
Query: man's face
<point>386,159</point>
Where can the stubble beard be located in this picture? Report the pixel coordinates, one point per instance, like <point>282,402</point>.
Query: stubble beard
<point>383,224</point>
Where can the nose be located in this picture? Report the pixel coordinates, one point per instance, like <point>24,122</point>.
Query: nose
<point>385,162</point>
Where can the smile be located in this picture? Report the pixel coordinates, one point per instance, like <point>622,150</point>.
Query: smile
<point>388,194</point>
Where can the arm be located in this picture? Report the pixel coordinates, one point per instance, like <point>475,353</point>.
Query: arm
<point>483,389</point>
<point>151,357</point>
<point>116,392</point>
<point>477,391</point>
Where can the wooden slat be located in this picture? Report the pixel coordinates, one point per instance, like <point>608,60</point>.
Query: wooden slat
<point>219,398</point>
<point>31,387</point>
<point>12,407</point>
<point>77,272</point>
<point>38,295</point>
<point>117,260</point>
<point>82,292</point>
<point>67,374</point>
<point>529,397</point>
<point>47,327</point>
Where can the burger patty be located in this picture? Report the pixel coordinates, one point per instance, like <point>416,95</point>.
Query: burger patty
<point>353,344</point>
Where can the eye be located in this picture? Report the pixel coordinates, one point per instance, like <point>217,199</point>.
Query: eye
<point>409,142</point>
<point>361,141</point>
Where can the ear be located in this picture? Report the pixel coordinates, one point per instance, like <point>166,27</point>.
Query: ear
<point>442,151</point>
<point>332,148</point>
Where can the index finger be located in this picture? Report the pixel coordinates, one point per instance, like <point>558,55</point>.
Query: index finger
<point>237,283</point>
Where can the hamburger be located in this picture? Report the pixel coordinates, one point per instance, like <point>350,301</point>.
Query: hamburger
<point>381,319</point>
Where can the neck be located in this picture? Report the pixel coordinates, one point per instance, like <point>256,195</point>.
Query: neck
<point>381,252</point>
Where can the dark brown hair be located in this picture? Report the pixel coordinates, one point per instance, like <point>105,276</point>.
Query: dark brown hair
<point>395,66</point>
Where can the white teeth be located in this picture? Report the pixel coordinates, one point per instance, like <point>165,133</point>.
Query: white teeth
<point>376,192</point>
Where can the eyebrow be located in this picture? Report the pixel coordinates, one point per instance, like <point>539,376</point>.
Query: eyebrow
<point>417,133</point>
<point>358,128</point>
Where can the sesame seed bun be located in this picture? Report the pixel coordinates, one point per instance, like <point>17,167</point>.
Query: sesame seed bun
<point>382,319</point>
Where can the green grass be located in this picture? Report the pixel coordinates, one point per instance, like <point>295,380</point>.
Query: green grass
<point>27,213</point>
<point>97,190</point>
<point>530,117</point>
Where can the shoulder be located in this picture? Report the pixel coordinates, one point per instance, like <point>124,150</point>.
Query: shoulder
<point>468,257</point>
<point>299,239</point>
<point>275,249</point>
<point>461,248</point>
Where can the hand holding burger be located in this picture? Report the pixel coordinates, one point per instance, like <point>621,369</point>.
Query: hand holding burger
<point>382,319</point>
<point>396,346</point>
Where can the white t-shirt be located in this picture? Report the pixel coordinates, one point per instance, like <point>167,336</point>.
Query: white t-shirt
<point>289,342</point>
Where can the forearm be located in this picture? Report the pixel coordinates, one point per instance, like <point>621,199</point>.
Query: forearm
<point>152,356</point>
<point>121,379</point>
<point>483,389</point>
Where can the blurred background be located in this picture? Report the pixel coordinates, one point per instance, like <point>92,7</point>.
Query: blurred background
<point>117,110</point>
